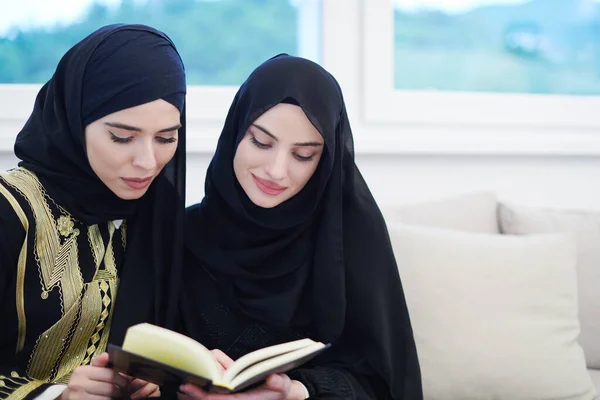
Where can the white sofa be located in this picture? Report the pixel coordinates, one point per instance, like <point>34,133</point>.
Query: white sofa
<point>595,375</point>
<point>504,299</point>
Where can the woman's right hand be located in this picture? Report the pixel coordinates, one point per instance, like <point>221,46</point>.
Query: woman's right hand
<point>95,382</point>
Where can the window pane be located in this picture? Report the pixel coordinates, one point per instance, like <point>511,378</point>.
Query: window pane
<point>221,41</point>
<point>511,46</point>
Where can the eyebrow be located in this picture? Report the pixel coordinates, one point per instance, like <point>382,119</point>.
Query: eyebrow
<point>119,125</point>
<point>311,144</point>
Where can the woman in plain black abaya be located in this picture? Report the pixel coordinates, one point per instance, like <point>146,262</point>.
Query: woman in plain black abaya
<point>271,258</point>
<point>94,208</point>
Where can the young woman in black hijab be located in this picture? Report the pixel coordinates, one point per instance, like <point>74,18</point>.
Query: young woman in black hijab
<point>289,242</point>
<point>96,203</point>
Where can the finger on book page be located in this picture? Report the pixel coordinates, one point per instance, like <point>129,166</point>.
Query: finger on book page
<point>224,360</point>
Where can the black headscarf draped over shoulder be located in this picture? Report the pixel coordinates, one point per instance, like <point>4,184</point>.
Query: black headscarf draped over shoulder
<point>324,256</point>
<point>114,68</point>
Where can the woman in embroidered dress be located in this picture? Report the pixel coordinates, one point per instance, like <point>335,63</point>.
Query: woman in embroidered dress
<point>288,242</point>
<point>94,209</point>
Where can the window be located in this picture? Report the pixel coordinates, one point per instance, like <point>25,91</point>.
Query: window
<point>466,106</point>
<point>501,46</point>
<point>220,41</point>
<point>396,103</point>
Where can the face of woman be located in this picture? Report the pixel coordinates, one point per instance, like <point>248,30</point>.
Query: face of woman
<point>278,155</point>
<point>128,149</point>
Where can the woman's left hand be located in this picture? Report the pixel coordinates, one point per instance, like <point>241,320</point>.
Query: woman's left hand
<point>276,387</point>
<point>141,389</point>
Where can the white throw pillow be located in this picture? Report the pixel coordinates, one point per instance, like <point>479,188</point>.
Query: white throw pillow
<point>494,317</point>
<point>585,226</point>
<point>473,212</point>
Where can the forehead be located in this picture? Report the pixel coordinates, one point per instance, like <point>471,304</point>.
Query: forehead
<point>289,122</point>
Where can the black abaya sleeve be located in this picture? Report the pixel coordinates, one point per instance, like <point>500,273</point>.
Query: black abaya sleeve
<point>331,383</point>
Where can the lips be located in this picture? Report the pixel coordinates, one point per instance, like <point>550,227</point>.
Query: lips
<point>137,183</point>
<point>268,187</point>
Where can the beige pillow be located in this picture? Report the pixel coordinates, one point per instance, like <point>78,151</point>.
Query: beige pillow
<point>585,226</point>
<point>494,317</point>
<point>473,212</point>
<point>595,375</point>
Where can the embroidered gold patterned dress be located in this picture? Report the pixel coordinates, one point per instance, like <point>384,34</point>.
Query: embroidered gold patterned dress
<point>58,282</point>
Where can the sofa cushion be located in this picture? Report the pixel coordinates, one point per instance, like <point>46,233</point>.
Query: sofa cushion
<point>595,374</point>
<point>585,226</point>
<point>473,212</point>
<point>494,316</point>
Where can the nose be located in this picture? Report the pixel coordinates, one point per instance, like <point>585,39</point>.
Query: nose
<point>144,156</point>
<point>277,167</point>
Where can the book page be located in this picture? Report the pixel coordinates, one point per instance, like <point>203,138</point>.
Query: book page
<point>150,370</point>
<point>262,354</point>
<point>281,363</point>
<point>171,348</point>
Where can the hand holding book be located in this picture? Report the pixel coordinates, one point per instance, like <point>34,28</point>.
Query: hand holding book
<point>168,358</point>
<point>276,386</point>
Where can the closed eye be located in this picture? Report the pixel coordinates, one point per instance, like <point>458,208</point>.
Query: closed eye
<point>303,159</point>
<point>118,139</point>
<point>165,140</point>
<point>259,144</point>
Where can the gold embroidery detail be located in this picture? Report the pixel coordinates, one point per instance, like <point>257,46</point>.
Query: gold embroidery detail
<point>14,381</point>
<point>86,308</point>
<point>109,257</point>
<point>21,264</point>
<point>89,310</point>
<point>23,391</point>
<point>65,225</point>
<point>96,244</point>
<point>63,380</point>
<point>105,278</point>
<point>17,387</point>
<point>124,234</point>
<point>53,258</point>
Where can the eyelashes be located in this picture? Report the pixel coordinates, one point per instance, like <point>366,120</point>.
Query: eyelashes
<point>259,144</point>
<point>300,158</point>
<point>159,139</point>
<point>166,140</point>
<point>264,146</point>
<point>118,139</point>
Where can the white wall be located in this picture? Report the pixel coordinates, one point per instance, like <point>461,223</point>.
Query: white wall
<point>409,163</point>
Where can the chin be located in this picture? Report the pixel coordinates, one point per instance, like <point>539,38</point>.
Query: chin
<point>130,195</point>
<point>267,205</point>
<point>261,202</point>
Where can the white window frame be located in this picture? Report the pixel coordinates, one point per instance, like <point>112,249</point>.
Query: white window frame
<point>461,122</point>
<point>383,101</point>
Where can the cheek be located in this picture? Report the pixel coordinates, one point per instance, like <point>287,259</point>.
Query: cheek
<point>303,173</point>
<point>165,153</point>
<point>247,156</point>
<point>105,156</point>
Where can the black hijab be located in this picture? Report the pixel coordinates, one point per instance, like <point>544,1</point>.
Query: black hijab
<point>114,68</point>
<point>324,256</point>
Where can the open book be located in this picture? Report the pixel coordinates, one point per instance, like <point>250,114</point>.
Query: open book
<point>168,358</point>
